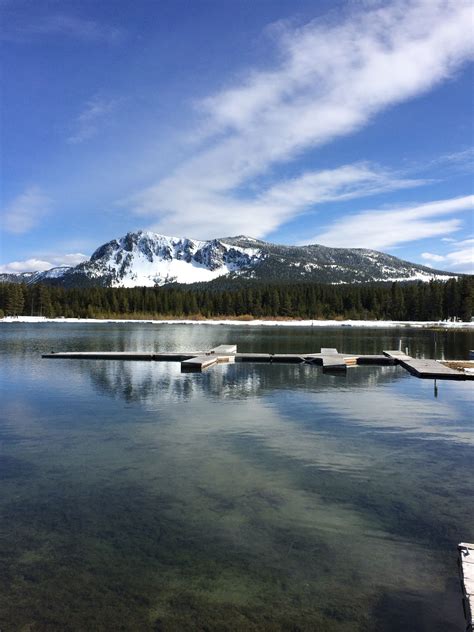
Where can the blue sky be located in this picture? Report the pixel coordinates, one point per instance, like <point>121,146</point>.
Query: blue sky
<point>342,123</point>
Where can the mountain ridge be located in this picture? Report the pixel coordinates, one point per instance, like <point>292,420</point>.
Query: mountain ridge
<point>145,258</point>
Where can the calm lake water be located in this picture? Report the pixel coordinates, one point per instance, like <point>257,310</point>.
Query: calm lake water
<point>249,497</point>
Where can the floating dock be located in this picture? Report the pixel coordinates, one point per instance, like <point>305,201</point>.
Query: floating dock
<point>466,574</point>
<point>329,358</point>
<point>224,350</point>
<point>167,356</point>
<point>218,355</point>
<point>199,363</point>
<point>431,369</point>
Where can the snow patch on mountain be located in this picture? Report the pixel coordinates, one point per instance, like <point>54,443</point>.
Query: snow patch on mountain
<point>55,273</point>
<point>149,259</point>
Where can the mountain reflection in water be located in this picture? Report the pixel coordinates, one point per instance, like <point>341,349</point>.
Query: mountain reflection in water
<point>249,497</point>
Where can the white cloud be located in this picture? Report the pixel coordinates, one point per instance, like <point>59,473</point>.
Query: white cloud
<point>40,265</point>
<point>218,214</point>
<point>344,183</point>
<point>429,256</point>
<point>389,227</point>
<point>465,242</point>
<point>461,257</point>
<point>25,211</point>
<point>331,81</point>
<point>29,265</point>
<point>94,116</point>
<point>72,259</point>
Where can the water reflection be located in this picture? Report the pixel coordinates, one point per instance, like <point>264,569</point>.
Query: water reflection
<point>145,381</point>
<point>245,498</point>
<point>361,396</point>
<point>26,338</point>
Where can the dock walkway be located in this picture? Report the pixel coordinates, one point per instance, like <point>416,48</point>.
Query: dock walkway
<point>425,368</point>
<point>166,356</point>
<point>199,363</point>
<point>466,573</point>
<point>330,360</point>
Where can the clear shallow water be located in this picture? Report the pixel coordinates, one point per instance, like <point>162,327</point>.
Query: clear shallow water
<point>249,497</point>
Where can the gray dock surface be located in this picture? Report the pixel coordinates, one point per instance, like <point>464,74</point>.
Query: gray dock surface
<point>466,573</point>
<point>424,368</point>
<point>166,356</point>
<point>199,363</point>
<point>330,359</point>
<point>224,349</point>
<point>333,363</point>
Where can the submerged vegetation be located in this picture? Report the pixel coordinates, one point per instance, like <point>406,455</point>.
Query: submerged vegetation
<point>436,300</point>
<point>266,498</point>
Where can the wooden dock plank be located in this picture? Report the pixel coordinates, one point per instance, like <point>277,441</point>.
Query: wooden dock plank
<point>333,363</point>
<point>397,355</point>
<point>426,368</point>
<point>225,359</point>
<point>350,360</point>
<point>121,355</point>
<point>432,369</point>
<point>199,363</point>
<point>224,349</point>
<point>466,573</point>
<point>422,368</point>
<point>331,360</point>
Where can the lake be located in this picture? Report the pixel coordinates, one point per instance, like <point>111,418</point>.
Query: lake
<point>248,497</point>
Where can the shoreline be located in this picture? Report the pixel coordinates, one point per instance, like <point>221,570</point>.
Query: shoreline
<point>367,324</point>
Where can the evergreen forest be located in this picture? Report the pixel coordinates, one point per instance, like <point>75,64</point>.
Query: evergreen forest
<point>436,300</point>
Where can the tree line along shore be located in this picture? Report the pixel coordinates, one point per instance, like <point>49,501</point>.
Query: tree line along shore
<point>436,300</point>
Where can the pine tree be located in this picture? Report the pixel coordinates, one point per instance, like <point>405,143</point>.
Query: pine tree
<point>466,299</point>
<point>15,300</point>
<point>44,301</point>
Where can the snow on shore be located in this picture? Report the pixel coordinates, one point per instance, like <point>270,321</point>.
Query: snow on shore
<point>254,323</point>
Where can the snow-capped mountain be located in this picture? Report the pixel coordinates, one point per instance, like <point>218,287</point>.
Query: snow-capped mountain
<point>34,277</point>
<point>19,277</point>
<point>147,259</point>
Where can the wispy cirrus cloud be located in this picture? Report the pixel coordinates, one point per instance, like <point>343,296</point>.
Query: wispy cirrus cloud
<point>26,210</point>
<point>92,118</point>
<point>330,80</point>
<point>344,183</point>
<point>19,28</point>
<point>458,162</point>
<point>203,212</point>
<point>385,228</point>
<point>465,156</point>
<point>40,264</point>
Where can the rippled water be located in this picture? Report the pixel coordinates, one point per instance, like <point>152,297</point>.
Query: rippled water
<point>249,497</point>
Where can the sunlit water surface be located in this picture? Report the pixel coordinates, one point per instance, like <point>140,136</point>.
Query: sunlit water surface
<point>249,497</point>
